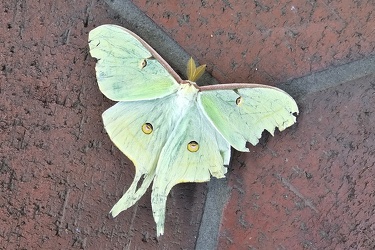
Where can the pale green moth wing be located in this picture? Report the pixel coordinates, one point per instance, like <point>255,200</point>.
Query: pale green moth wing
<point>128,68</point>
<point>173,130</point>
<point>241,115</point>
<point>193,152</point>
<point>139,129</point>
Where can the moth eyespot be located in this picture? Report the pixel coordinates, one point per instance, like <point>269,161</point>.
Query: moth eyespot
<point>193,146</point>
<point>147,128</point>
<point>143,63</point>
<point>239,101</point>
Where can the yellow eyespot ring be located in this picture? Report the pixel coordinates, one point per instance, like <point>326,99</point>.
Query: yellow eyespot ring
<point>147,128</point>
<point>143,63</point>
<point>193,146</point>
<point>239,101</point>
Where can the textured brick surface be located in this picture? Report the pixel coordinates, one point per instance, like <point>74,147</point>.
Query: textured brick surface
<point>309,187</point>
<point>312,186</point>
<point>267,41</point>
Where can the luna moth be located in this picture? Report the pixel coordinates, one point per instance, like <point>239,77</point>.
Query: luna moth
<point>173,130</point>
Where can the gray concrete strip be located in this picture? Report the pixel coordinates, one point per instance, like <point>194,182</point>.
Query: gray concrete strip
<point>217,197</point>
<point>328,78</point>
<point>218,192</point>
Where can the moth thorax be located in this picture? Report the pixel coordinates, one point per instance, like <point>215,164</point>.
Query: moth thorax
<point>186,97</point>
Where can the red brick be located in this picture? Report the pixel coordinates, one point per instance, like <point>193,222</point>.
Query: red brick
<point>312,186</point>
<point>59,172</point>
<point>267,41</point>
